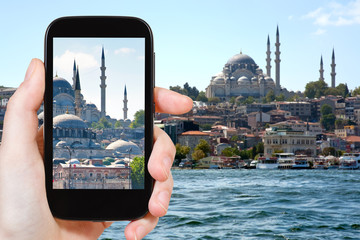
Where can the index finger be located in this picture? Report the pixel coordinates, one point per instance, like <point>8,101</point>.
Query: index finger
<point>167,101</point>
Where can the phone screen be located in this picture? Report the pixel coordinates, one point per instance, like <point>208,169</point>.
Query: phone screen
<point>98,113</point>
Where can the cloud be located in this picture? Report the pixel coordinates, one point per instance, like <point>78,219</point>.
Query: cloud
<point>141,57</point>
<point>124,50</point>
<point>64,63</point>
<point>290,17</point>
<point>336,14</point>
<point>320,31</point>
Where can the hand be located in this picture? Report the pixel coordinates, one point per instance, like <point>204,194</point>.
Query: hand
<point>24,211</point>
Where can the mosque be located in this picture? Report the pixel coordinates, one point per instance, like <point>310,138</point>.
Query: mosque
<point>72,137</point>
<point>241,76</point>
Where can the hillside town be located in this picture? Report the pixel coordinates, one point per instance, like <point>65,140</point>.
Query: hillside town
<point>242,116</point>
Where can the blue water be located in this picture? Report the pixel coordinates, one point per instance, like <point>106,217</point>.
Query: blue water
<point>259,204</point>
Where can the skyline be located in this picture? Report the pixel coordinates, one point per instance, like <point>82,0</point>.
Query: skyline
<point>194,48</point>
<point>124,62</point>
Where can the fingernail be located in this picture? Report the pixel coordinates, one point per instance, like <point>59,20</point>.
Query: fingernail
<point>163,199</point>
<point>140,232</point>
<point>30,69</point>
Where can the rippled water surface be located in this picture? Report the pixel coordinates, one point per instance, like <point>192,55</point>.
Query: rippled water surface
<point>259,204</point>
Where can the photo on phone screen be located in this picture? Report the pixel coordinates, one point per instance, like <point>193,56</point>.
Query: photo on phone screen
<point>98,113</point>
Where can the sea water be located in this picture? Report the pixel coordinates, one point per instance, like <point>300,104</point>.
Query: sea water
<point>259,204</point>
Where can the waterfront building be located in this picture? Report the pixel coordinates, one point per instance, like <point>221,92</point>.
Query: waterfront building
<point>288,141</point>
<point>91,174</point>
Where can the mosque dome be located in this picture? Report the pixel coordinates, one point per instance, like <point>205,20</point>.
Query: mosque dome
<point>123,146</point>
<point>268,79</point>
<point>219,80</point>
<point>243,80</point>
<point>74,161</point>
<point>241,59</point>
<point>60,85</point>
<point>69,121</point>
<point>61,82</point>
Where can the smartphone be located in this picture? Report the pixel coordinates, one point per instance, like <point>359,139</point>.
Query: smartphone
<point>98,117</point>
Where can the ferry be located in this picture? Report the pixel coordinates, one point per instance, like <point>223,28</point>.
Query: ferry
<point>350,161</point>
<point>267,163</point>
<point>301,162</point>
<point>286,160</point>
<point>320,163</point>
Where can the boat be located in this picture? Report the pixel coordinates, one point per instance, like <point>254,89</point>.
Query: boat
<point>350,161</point>
<point>285,160</point>
<point>253,164</point>
<point>267,163</point>
<point>320,163</point>
<point>332,162</point>
<point>301,162</point>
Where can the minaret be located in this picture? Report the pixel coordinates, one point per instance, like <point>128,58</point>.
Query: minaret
<point>277,61</point>
<point>321,69</point>
<point>74,75</point>
<point>125,109</point>
<point>103,85</point>
<point>77,94</point>
<point>333,73</point>
<point>268,59</point>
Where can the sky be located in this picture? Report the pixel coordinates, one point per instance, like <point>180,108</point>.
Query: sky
<point>124,62</point>
<point>194,39</point>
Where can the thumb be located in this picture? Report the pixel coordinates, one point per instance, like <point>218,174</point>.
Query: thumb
<point>21,122</point>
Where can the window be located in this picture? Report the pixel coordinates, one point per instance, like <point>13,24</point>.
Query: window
<point>91,174</point>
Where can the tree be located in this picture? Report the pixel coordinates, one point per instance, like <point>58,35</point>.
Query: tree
<point>118,124</point>
<point>339,123</point>
<point>234,138</point>
<point>198,154</point>
<point>230,151</point>
<point>332,91</point>
<point>315,89</point>
<point>137,172</point>
<point>139,119</point>
<point>202,97</point>
<point>249,100</point>
<point>329,151</point>
<point>326,109</point>
<point>327,117</point>
<point>270,96</point>
<point>293,98</point>
<point>192,92</point>
<point>328,121</point>
<point>178,89</point>
<point>343,90</point>
<point>260,147</point>
<point>181,152</point>
<point>280,97</point>
<point>356,91</point>
<point>203,146</point>
<point>101,124</point>
<point>213,100</point>
<point>232,100</point>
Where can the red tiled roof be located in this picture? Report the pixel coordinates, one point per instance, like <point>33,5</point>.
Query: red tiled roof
<point>353,139</point>
<point>199,133</point>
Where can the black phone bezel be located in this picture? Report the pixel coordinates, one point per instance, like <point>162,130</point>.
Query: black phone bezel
<point>93,204</point>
